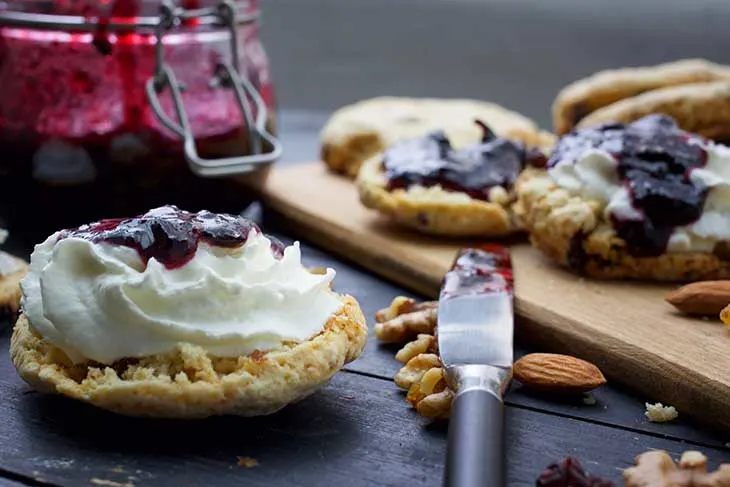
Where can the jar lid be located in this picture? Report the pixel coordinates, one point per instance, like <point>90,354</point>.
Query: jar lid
<point>205,16</point>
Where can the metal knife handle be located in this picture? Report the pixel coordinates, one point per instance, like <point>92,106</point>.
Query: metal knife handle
<point>476,440</point>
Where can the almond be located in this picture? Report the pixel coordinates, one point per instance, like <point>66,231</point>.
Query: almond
<point>701,298</point>
<point>557,373</point>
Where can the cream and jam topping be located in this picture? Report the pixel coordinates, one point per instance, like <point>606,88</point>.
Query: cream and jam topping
<point>141,286</point>
<point>664,189</point>
<point>432,161</point>
<point>170,235</point>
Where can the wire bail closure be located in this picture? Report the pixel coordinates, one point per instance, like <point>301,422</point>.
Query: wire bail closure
<point>226,76</point>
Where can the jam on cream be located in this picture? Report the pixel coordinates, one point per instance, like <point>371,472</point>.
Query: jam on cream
<point>432,161</point>
<point>662,188</point>
<point>137,287</point>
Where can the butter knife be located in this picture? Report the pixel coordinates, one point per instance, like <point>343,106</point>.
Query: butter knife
<point>475,340</point>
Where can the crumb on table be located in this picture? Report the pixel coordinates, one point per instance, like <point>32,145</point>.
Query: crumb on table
<point>659,413</point>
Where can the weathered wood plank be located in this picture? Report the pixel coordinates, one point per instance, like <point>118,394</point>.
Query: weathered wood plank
<point>356,431</point>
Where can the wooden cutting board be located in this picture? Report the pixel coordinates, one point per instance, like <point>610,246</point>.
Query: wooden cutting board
<point>625,328</point>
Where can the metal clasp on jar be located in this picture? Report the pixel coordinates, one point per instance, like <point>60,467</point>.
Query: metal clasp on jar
<point>227,76</point>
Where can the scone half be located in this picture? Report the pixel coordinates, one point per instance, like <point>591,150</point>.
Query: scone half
<point>180,315</point>
<point>434,210</point>
<point>594,230</point>
<point>189,382</point>
<point>356,132</point>
<point>428,185</point>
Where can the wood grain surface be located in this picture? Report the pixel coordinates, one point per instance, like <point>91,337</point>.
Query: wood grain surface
<point>357,431</point>
<point>626,328</point>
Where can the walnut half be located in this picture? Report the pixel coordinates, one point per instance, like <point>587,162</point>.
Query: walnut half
<point>657,469</point>
<point>404,320</point>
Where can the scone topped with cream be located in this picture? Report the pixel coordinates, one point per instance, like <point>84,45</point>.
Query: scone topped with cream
<point>426,184</point>
<point>179,314</point>
<point>643,200</point>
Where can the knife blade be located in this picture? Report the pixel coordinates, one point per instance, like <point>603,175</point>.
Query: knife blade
<point>475,339</point>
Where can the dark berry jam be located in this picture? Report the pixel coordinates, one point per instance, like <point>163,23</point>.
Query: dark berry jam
<point>80,140</point>
<point>569,473</point>
<point>654,160</point>
<point>479,270</point>
<point>431,160</point>
<point>170,235</point>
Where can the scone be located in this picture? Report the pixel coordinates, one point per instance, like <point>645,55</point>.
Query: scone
<point>12,270</point>
<point>701,108</point>
<point>639,201</point>
<point>425,184</point>
<point>580,99</point>
<point>181,315</point>
<point>356,132</point>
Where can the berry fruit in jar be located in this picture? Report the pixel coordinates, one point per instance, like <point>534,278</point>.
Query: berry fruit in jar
<point>118,106</point>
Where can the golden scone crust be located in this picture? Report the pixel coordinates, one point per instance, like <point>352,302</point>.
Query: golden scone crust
<point>10,293</point>
<point>702,108</point>
<point>356,132</point>
<point>572,231</point>
<point>433,210</point>
<point>188,383</point>
<point>585,96</point>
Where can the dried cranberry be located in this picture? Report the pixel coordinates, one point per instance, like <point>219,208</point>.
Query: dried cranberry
<point>569,473</point>
<point>170,235</point>
<point>431,160</point>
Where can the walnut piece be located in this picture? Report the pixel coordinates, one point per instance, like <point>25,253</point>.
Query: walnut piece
<point>406,326</point>
<point>413,371</point>
<point>659,413</point>
<point>400,306</point>
<point>422,344</point>
<point>657,469</point>
<point>414,325</point>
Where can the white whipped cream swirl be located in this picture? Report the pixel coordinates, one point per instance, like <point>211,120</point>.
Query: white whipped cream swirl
<point>100,302</point>
<point>594,175</point>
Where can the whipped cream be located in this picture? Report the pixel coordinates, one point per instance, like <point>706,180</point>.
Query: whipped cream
<point>594,175</point>
<point>100,302</point>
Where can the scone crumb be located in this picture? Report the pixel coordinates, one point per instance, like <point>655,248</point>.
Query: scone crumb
<point>110,483</point>
<point>247,462</point>
<point>659,413</point>
<point>589,400</point>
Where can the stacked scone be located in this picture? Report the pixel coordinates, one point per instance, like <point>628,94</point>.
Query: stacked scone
<point>694,92</point>
<point>12,270</point>
<point>441,167</point>
<point>177,314</point>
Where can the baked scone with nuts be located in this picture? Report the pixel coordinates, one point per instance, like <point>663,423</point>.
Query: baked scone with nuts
<point>425,184</point>
<point>644,200</point>
<point>181,315</point>
<point>357,132</point>
<point>591,100</point>
<point>12,270</point>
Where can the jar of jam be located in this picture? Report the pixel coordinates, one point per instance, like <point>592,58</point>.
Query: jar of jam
<point>111,107</point>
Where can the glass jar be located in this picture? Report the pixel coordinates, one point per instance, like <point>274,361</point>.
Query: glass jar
<point>110,107</point>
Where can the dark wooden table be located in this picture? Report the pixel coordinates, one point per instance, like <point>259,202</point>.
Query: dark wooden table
<point>357,431</point>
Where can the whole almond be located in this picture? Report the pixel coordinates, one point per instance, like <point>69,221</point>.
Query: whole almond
<point>552,372</point>
<point>701,298</point>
